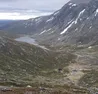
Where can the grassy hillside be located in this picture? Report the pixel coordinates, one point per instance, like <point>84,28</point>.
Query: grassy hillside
<point>67,68</point>
<point>25,63</point>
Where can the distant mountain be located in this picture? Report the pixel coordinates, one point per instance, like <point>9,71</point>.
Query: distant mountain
<point>80,1</point>
<point>72,24</point>
<point>4,23</point>
<point>71,61</point>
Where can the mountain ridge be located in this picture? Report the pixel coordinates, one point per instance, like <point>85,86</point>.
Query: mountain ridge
<point>63,26</point>
<point>80,1</point>
<point>70,64</point>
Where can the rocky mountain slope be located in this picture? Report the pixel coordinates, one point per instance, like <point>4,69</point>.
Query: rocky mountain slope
<point>72,24</point>
<point>5,22</point>
<point>70,62</point>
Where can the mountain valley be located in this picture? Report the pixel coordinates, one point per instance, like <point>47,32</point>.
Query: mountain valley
<point>55,54</point>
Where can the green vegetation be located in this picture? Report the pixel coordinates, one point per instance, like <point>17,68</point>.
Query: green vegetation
<point>22,63</point>
<point>65,69</point>
<point>90,79</point>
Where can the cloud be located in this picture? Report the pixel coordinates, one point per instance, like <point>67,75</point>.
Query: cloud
<point>14,16</point>
<point>33,4</point>
<point>21,16</point>
<point>25,9</point>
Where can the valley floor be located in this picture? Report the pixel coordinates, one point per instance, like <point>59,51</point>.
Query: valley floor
<point>42,90</point>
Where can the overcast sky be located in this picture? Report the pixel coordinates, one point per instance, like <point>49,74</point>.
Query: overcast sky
<point>28,8</point>
<point>33,4</point>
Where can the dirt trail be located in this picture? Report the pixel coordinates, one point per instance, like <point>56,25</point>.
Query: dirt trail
<point>75,72</point>
<point>76,69</point>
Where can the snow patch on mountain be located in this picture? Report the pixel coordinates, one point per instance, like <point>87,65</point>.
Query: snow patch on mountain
<point>70,3</point>
<point>79,16</point>
<point>37,20</point>
<point>50,19</point>
<point>73,22</point>
<point>90,27</point>
<point>67,28</point>
<point>51,32</point>
<point>96,12</point>
<point>42,32</point>
<point>55,13</point>
<point>74,5</point>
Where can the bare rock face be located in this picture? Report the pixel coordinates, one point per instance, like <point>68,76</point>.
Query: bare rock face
<point>75,23</point>
<point>80,1</point>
